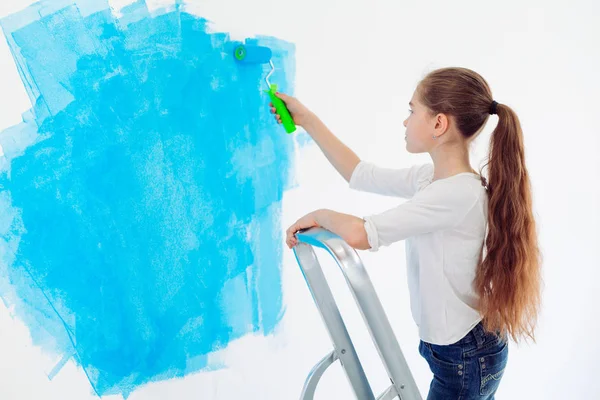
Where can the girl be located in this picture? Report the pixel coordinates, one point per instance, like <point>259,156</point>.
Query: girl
<point>466,298</point>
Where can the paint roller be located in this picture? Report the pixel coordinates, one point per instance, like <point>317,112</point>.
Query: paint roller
<point>262,55</point>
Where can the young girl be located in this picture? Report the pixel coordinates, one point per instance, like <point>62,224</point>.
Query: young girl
<point>466,298</point>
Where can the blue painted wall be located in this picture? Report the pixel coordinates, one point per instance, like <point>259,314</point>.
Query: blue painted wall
<point>140,197</point>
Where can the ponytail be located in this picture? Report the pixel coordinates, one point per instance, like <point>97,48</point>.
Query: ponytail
<point>508,279</point>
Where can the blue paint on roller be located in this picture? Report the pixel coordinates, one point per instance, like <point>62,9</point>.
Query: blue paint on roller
<point>140,226</point>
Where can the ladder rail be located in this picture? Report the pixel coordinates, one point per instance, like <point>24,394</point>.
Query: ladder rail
<point>343,348</point>
<point>367,301</point>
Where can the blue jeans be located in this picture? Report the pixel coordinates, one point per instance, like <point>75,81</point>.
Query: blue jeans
<point>468,369</point>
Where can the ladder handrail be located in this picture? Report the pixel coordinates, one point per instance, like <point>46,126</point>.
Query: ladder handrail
<point>369,305</point>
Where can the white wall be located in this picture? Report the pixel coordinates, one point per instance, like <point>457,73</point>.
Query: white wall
<point>357,64</point>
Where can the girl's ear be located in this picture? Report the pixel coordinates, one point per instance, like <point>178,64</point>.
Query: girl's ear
<point>441,124</point>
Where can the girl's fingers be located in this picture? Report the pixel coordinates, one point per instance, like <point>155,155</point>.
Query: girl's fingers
<point>290,233</point>
<point>291,241</point>
<point>282,96</point>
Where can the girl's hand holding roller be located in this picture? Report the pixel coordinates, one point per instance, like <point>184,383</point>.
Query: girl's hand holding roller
<point>301,115</point>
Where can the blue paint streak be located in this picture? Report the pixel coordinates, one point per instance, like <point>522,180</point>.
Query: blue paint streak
<point>59,366</point>
<point>141,195</point>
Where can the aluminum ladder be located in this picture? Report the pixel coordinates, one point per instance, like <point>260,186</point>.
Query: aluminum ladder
<point>403,385</point>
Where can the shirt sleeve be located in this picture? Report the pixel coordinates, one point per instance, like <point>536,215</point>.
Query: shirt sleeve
<point>432,209</point>
<point>368,177</point>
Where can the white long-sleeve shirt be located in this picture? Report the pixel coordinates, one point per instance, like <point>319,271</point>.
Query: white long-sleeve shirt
<point>444,224</point>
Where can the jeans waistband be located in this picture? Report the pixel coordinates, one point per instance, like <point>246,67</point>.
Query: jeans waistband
<point>475,335</point>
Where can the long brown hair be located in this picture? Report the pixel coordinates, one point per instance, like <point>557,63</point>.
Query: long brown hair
<point>508,278</point>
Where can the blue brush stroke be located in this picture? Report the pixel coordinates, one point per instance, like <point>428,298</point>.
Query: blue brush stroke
<point>141,195</point>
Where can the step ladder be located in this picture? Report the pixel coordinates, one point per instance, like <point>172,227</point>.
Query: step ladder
<point>403,385</point>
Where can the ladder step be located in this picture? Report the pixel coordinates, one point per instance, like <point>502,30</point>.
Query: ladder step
<point>389,394</point>
<point>310,385</point>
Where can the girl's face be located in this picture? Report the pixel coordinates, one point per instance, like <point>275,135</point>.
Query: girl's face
<point>420,128</point>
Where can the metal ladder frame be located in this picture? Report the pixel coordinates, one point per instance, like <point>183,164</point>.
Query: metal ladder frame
<point>403,384</point>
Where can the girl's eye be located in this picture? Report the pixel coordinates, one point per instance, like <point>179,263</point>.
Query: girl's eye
<point>410,111</point>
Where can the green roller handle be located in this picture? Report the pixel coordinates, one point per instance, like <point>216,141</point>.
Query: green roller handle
<point>281,109</point>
